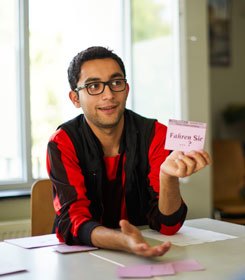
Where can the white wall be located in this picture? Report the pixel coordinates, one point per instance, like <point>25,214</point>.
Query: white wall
<point>197,190</point>
<point>227,84</point>
<point>14,209</point>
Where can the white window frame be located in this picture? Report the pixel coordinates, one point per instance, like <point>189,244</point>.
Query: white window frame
<point>24,94</point>
<point>23,100</point>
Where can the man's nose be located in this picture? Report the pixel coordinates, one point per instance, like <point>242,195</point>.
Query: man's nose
<point>107,93</point>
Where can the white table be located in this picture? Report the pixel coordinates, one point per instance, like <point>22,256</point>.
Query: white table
<point>222,259</point>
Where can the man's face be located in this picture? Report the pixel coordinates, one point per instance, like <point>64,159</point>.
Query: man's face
<point>106,109</point>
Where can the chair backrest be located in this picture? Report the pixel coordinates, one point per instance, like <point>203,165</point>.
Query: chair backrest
<point>228,169</point>
<point>42,209</point>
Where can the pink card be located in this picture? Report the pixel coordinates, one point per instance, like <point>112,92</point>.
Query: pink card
<point>152,270</point>
<point>162,269</point>
<point>64,249</point>
<point>187,265</point>
<point>185,136</point>
<point>136,271</point>
<point>145,271</point>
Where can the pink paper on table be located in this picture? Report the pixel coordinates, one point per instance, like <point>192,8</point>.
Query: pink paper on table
<point>146,271</point>
<point>185,135</point>
<point>187,265</point>
<point>162,269</point>
<point>64,249</point>
<point>135,271</point>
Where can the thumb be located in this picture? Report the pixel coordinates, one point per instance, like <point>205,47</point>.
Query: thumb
<point>126,227</point>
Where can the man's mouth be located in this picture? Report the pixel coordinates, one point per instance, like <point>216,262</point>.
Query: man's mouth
<point>107,108</point>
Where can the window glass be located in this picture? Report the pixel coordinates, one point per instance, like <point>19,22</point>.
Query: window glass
<point>155,55</point>
<point>10,140</point>
<point>58,31</point>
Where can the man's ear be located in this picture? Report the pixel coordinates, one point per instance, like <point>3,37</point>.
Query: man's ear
<point>74,98</point>
<point>127,89</point>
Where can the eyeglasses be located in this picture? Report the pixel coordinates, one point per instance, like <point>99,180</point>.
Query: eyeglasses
<point>96,88</point>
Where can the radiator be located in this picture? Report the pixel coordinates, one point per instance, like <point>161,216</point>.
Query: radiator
<point>15,229</point>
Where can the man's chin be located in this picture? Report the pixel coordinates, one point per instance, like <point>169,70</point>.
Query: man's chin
<point>108,125</point>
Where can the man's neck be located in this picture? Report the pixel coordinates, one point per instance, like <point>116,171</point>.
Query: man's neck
<point>110,138</point>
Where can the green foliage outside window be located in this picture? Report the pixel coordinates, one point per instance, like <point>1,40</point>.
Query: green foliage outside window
<point>147,20</point>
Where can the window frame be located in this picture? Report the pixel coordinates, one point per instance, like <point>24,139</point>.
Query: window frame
<point>23,100</point>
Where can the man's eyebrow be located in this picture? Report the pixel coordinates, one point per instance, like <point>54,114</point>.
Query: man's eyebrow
<point>117,75</point>
<point>96,79</point>
<point>91,79</point>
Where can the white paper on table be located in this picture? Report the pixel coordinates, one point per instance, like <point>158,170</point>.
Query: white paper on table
<point>35,241</point>
<point>7,268</point>
<point>187,236</point>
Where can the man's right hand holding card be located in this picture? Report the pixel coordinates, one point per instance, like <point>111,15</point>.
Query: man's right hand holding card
<point>180,164</point>
<point>186,139</point>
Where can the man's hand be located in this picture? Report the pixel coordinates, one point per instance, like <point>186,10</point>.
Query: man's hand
<point>129,239</point>
<point>179,164</point>
<point>136,244</point>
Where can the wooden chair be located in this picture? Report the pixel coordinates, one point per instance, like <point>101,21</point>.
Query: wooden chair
<point>42,210</point>
<point>228,180</point>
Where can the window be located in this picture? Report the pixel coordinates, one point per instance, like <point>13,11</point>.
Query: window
<point>155,58</point>
<point>12,165</point>
<point>58,30</point>
<point>68,28</point>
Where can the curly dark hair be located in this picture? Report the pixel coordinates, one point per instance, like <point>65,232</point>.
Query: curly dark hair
<point>91,53</point>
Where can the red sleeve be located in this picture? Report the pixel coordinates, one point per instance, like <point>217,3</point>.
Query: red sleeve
<point>70,201</point>
<point>157,154</point>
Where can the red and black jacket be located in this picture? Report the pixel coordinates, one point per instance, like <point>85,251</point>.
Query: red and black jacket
<point>86,195</point>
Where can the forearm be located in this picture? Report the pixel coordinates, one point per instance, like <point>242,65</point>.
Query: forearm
<point>107,238</point>
<point>128,239</point>
<point>169,196</point>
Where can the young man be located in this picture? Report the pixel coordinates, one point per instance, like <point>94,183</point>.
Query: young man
<point>108,166</point>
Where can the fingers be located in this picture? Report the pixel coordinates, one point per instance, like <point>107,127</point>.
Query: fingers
<point>201,158</point>
<point>206,156</point>
<point>135,243</point>
<point>191,162</point>
<point>186,165</point>
<point>145,250</point>
<point>202,155</point>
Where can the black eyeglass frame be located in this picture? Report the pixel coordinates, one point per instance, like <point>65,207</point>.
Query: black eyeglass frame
<point>104,84</point>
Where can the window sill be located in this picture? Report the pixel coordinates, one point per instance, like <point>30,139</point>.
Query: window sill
<point>17,193</point>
